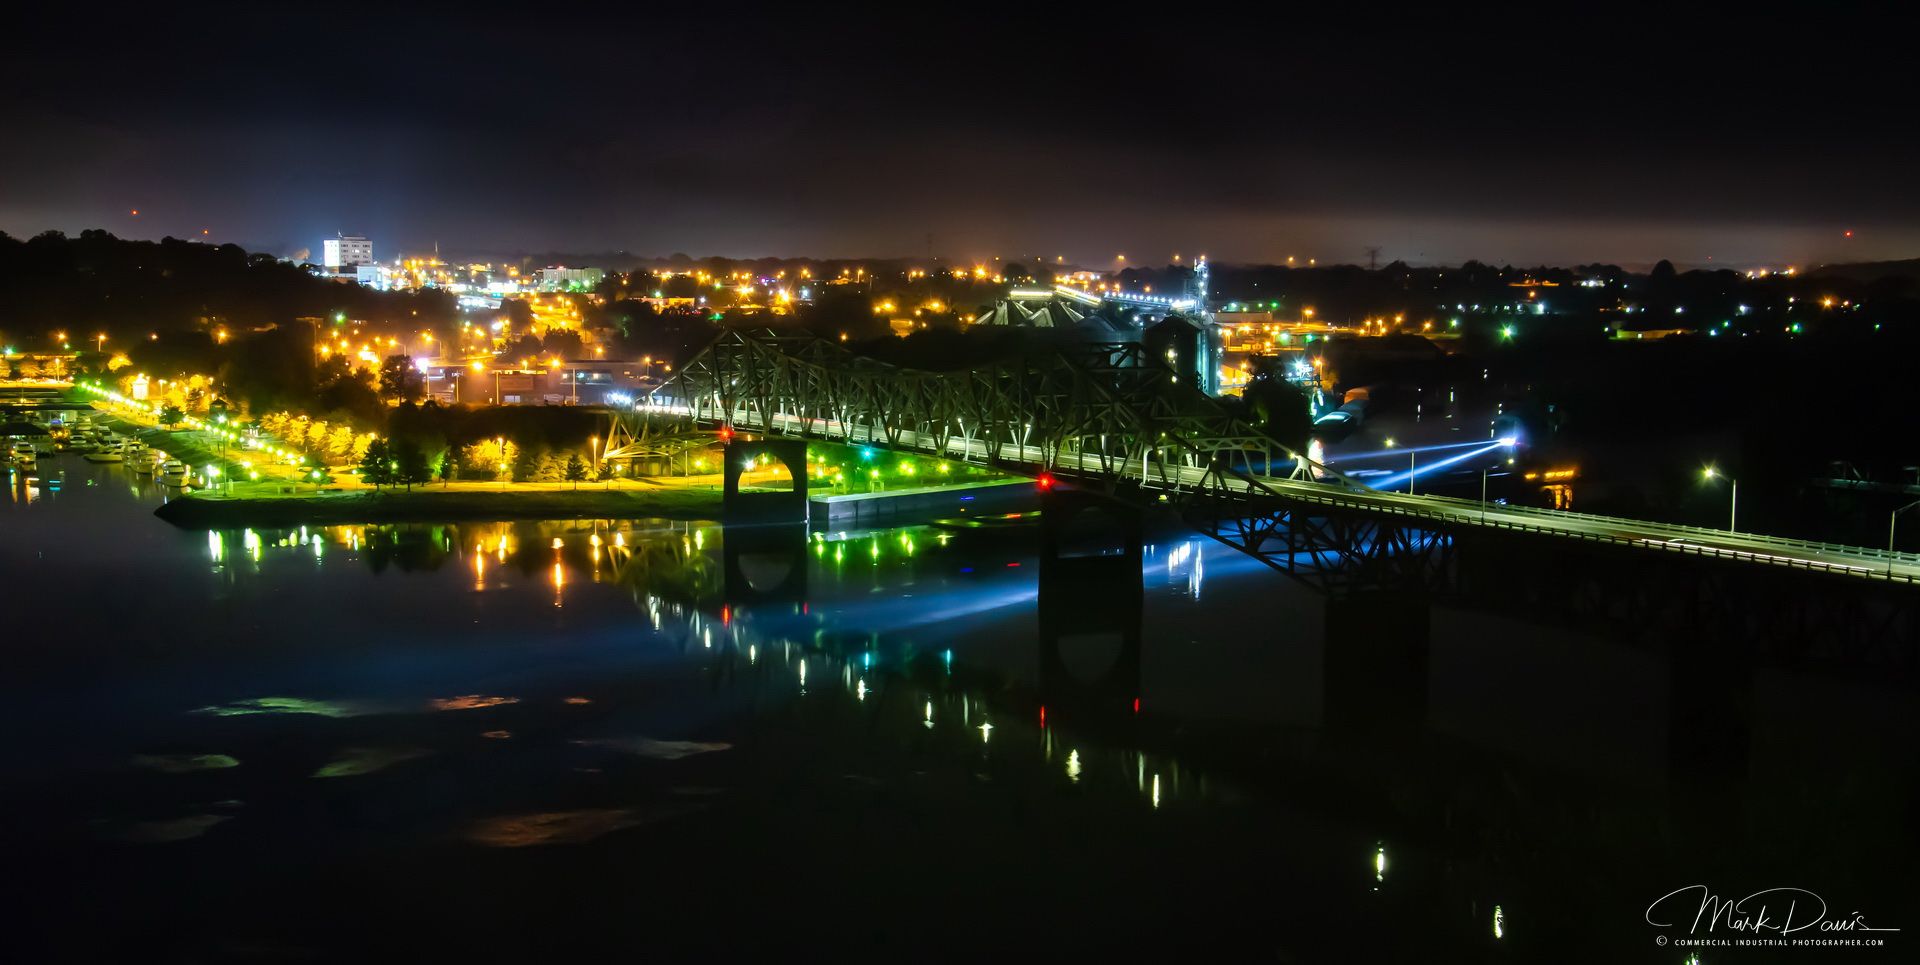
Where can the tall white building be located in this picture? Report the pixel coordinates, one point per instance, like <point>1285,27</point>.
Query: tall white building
<point>345,251</point>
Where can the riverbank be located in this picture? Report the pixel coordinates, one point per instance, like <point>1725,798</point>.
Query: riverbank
<point>210,510</point>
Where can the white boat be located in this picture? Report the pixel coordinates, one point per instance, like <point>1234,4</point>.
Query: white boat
<point>109,452</point>
<point>174,473</point>
<point>145,464</point>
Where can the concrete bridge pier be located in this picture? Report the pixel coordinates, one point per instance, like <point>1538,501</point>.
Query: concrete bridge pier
<point>787,506</point>
<point>1089,540</point>
<point>764,564</point>
<point>1079,627</point>
<point>1091,554</point>
<point>1375,666</point>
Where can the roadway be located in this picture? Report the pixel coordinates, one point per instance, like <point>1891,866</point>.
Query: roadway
<point>1457,514</point>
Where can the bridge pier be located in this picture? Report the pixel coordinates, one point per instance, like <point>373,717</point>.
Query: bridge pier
<point>739,507</point>
<point>1078,624</point>
<point>1375,666</point>
<point>777,555</point>
<point>1091,555</point>
<point>1090,539</point>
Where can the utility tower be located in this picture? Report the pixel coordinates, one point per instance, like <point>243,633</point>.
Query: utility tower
<point>1373,257</point>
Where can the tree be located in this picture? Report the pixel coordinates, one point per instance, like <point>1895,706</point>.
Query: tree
<point>450,462</point>
<point>576,470</point>
<point>1281,410</point>
<point>526,464</point>
<point>410,464</point>
<point>400,379</point>
<point>340,443</point>
<point>171,415</point>
<point>377,464</point>
<point>563,345</point>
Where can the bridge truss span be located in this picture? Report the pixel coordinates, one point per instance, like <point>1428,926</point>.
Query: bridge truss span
<point>1111,418</point>
<point>1101,412</point>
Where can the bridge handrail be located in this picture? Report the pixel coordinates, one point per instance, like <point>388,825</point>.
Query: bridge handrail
<point>1333,499</point>
<point>1843,548</point>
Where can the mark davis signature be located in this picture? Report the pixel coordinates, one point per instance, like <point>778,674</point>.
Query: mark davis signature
<point>1777,911</point>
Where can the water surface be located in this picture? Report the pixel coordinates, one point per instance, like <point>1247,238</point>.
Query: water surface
<point>609,737</point>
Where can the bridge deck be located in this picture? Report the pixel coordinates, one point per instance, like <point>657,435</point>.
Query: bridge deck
<point>1442,511</point>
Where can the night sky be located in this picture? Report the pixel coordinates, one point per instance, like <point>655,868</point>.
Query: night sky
<point>1000,130</point>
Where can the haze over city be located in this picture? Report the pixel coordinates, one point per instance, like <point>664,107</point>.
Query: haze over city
<point>1525,138</point>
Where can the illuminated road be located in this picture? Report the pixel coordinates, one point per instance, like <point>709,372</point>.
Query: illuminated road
<point>1454,513</point>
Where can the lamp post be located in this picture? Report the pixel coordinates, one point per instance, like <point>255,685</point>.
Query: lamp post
<point>1893,519</point>
<point>1733,503</point>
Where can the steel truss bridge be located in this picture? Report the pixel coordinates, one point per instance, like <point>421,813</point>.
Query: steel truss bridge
<point>1106,417</point>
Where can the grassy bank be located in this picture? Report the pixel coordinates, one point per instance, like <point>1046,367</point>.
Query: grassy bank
<point>214,510</point>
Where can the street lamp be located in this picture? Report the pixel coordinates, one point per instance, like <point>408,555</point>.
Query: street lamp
<point>1733,504</point>
<point>1893,519</point>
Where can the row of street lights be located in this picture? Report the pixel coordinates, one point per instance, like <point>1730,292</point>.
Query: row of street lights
<point>1733,508</point>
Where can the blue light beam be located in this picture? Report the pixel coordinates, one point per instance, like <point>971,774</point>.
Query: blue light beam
<point>1400,479</point>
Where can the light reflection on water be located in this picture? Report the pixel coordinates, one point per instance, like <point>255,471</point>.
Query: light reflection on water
<point>530,684</point>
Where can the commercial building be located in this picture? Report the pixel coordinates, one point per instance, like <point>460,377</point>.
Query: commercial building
<point>571,279</point>
<point>346,251</point>
<point>578,382</point>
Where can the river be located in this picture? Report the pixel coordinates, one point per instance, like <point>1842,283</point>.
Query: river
<point>588,738</point>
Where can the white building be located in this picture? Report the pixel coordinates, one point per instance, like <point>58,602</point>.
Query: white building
<point>571,279</point>
<point>345,251</point>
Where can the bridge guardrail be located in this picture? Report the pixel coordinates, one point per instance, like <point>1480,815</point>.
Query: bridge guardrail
<point>1685,549</point>
<point>1842,548</point>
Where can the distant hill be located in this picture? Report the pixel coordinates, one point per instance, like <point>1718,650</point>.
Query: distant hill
<point>1870,270</point>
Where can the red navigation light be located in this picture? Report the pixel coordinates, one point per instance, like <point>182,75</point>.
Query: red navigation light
<point>1045,482</point>
<point>726,432</point>
<point>1043,715</point>
<point>1136,705</point>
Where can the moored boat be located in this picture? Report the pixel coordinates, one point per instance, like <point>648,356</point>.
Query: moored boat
<point>108,452</point>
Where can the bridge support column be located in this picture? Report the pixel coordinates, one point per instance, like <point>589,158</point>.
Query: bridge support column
<point>1375,667</point>
<point>1089,539</point>
<point>1078,626</point>
<point>739,507</point>
<point>764,564</point>
<point>1091,554</point>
